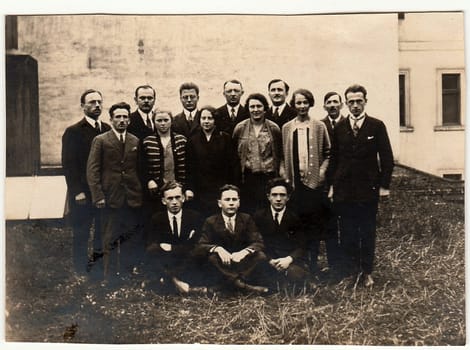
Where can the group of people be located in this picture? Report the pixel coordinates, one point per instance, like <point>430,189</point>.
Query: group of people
<point>238,195</point>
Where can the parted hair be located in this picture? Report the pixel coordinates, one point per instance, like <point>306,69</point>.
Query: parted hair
<point>356,88</point>
<point>86,92</point>
<point>331,93</point>
<point>259,97</point>
<point>189,86</point>
<point>144,87</point>
<point>286,86</point>
<point>278,181</point>
<point>170,185</point>
<point>120,105</point>
<point>304,92</point>
<point>228,187</point>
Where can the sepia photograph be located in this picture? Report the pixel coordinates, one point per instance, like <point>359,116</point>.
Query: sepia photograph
<point>284,178</point>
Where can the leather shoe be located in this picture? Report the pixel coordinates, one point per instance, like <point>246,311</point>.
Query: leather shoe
<point>239,283</point>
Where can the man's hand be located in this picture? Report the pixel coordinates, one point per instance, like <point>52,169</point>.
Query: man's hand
<point>80,198</point>
<point>153,187</point>
<point>239,256</point>
<point>100,204</point>
<point>224,255</point>
<point>189,195</point>
<point>330,194</point>
<point>281,264</point>
<point>166,247</point>
<point>384,192</point>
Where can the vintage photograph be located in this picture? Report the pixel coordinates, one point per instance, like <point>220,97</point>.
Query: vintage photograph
<point>235,179</point>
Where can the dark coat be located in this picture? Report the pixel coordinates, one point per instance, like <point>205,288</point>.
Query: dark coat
<point>329,127</point>
<point>246,235</point>
<point>355,171</point>
<point>287,114</point>
<point>161,232</point>
<point>76,144</point>
<point>224,122</point>
<point>137,127</point>
<point>112,173</point>
<point>180,125</point>
<point>284,239</point>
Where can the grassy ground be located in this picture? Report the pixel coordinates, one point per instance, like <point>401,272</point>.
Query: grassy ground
<point>418,298</point>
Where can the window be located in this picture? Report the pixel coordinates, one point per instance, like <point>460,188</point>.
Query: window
<point>450,99</point>
<point>404,101</point>
<point>451,106</point>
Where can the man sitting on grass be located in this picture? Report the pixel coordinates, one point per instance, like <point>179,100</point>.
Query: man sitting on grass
<point>173,236</point>
<point>231,241</point>
<point>283,236</point>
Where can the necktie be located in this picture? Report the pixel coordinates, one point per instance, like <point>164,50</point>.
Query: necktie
<point>149,123</point>
<point>121,139</point>
<point>97,127</point>
<point>333,123</point>
<point>276,113</point>
<point>175,227</point>
<point>232,114</point>
<point>276,218</point>
<point>355,127</point>
<point>230,225</point>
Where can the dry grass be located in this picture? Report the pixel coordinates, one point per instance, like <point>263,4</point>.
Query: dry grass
<point>418,298</point>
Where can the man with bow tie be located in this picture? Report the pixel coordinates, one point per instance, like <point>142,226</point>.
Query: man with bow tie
<point>115,189</point>
<point>174,234</point>
<point>283,236</point>
<point>359,173</point>
<point>76,144</point>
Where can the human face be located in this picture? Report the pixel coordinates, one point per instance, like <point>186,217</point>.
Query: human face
<point>162,122</point>
<point>301,105</point>
<point>256,109</point>
<point>277,93</point>
<point>229,202</point>
<point>93,105</point>
<point>356,103</point>
<point>189,98</point>
<point>333,106</point>
<point>233,92</point>
<point>145,99</point>
<point>207,121</point>
<point>278,197</point>
<point>120,119</point>
<point>173,200</point>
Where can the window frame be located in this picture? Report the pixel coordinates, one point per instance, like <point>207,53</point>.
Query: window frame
<point>440,117</point>
<point>407,127</point>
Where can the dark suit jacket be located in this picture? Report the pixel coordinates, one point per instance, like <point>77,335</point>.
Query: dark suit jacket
<point>137,127</point>
<point>329,127</point>
<point>354,170</point>
<point>214,233</point>
<point>281,240</point>
<point>111,174</point>
<point>287,114</point>
<point>225,123</point>
<point>180,125</point>
<point>191,223</point>
<point>76,144</point>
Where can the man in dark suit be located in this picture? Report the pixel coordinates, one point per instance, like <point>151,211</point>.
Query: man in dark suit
<point>187,122</point>
<point>332,103</point>
<point>231,241</point>
<point>141,123</point>
<point>76,144</point>
<point>172,239</point>
<point>231,113</point>
<point>283,235</point>
<point>115,186</point>
<point>360,172</point>
<point>280,111</point>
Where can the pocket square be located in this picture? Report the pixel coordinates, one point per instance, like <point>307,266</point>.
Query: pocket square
<point>134,149</point>
<point>370,137</point>
<point>191,234</point>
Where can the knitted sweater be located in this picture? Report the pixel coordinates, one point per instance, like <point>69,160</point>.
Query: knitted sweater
<point>153,158</point>
<point>318,152</point>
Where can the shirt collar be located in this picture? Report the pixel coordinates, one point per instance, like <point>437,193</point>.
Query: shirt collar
<point>229,109</point>
<point>280,108</point>
<point>118,134</point>
<point>281,213</point>
<point>178,215</point>
<point>186,113</point>
<point>92,121</point>
<point>227,218</point>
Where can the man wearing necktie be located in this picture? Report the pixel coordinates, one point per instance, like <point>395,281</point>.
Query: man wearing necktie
<point>116,190</point>
<point>332,104</point>
<point>283,236</point>
<point>232,112</point>
<point>280,111</point>
<point>232,243</point>
<point>359,174</point>
<point>141,121</point>
<point>187,122</point>
<point>174,234</point>
<point>76,144</point>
